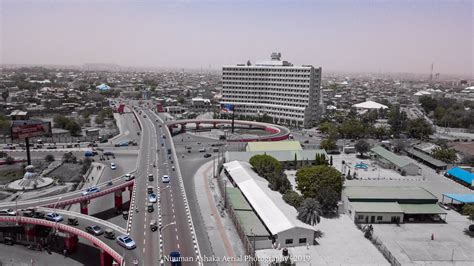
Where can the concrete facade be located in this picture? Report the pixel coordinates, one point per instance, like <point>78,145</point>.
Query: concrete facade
<point>289,94</point>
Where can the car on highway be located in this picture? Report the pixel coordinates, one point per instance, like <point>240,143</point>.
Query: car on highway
<point>126,242</point>
<point>153,225</point>
<point>90,190</point>
<point>129,177</point>
<point>89,153</point>
<point>202,150</point>
<point>7,212</point>
<point>150,177</point>
<point>122,144</point>
<point>109,233</point>
<point>165,179</point>
<point>150,207</point>
<point>94,230</point>
<point>175,258</point>
<point>152,198</point>
<point>150,190</point>
<point>207,155</point>
<point>52,216</point>
<point>9,147</point>
<point>113,166</point>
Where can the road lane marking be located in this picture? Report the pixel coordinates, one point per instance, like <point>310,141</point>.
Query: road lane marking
<point>177,237</point>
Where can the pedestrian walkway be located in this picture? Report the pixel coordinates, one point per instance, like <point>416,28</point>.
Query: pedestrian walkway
<point>224,239</point>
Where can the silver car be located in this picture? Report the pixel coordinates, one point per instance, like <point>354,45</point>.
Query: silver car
<point>126,242</point>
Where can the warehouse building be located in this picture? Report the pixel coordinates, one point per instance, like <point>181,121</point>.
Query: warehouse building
<point>366,204</point>
<point>390,160</point>
<point>276,216</point>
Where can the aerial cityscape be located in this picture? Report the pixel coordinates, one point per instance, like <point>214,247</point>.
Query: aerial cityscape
<point>236,132</point>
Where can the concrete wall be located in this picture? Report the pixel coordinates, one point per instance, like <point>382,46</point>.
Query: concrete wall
<point>295,234</point>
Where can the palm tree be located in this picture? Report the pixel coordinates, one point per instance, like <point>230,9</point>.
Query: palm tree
<point>310,211</point>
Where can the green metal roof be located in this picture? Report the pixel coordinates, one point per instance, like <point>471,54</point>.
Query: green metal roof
<point>390,156</point>
<point>425,157</point>
<point>251,223</point>
<point>389,207</point>
<point>237,200</point>
<point>421,209</point>
<point>274,146</point>
<point>361,193</point>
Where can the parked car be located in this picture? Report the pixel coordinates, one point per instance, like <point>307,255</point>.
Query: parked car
<point>94,230</point>
<point>89,154</point>
<point>152,198</point>
<point>202,150</point>
<point>126,242</point>
<point>165,179</point>
<point>113,166</point>
<point>90,190</point>
<point>7,212</point>
<point>108,153</point>
<point>207,155</point>
<point>52,216</point>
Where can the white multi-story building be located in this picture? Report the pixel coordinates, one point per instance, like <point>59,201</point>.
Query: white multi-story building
<point>289,94</point>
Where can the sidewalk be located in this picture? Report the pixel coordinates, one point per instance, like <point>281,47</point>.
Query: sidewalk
<point>91,180</point>
<point>224,239</point>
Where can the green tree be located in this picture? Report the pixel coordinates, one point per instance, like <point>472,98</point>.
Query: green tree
<point>428,103</point>
<point>49,158</point>
<point>99,120</point>
<point>9,160</point>
<point>397,119</point>
<point>419,128</point>
<point>320,159</point>
<point>311,181</point>
<point>270,168</point>
<point>362,146</point>
<point>446,155</point>
<point>293,198</point>
<point>468,209</point>
<point>3,154</point>
<point>69,158</point>
<point>86,164</point>
<point>181,100</point>
<point>328,144</point>
<point>73,127</point>
<point>5,95</point>
<point>310,211</point>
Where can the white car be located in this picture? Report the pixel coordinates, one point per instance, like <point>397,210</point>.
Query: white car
<point>7,212</point>
<point>53,217</point>
<point>165,179</point>
<point>126,242</point>
<point>113,166</point>
<point>129,177</point>
<point>90,191</point>
<point>152,198</point>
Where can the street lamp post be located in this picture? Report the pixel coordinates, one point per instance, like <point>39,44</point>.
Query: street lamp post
<point>161,231</point>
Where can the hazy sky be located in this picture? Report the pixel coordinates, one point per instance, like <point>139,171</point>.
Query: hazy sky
<point>387,36</point>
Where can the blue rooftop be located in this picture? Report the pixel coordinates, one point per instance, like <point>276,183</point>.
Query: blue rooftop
<point>464,198</point>
<point>461,174</point>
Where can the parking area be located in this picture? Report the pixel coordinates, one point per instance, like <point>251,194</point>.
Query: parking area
<point>413,244</point>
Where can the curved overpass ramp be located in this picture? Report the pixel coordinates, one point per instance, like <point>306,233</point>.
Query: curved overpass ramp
<point>276,132</point>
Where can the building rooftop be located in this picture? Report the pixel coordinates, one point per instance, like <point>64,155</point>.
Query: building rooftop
<point>370,105</point>
<point>277,215</point>
<point>391,207</point>
<point>281,156</point>
<point>463,198</point>
<point>274,146</point>
<point>461,175</point>
<point>367,193</point>
<point>390,156</point>
<point>427,158</point>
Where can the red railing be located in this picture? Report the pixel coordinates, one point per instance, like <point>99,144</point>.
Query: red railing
<point>97,242</point>
<point>88,197</point>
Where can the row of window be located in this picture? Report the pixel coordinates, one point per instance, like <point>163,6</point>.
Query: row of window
<point>295,83</point>
<point>286,102</point>
<point>263,90</point>
<point>290,241</point>
<point>272,69</point>
<point>266,75</point>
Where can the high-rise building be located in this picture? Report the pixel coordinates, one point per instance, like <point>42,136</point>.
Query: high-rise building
<point>289,94</point>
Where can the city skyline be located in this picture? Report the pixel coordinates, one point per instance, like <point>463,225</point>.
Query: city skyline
<point>344,36</point>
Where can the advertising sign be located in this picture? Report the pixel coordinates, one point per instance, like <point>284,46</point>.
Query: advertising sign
<point>21,129</point>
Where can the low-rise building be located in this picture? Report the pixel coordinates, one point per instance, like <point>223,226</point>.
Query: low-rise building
<point>369,204</point>
<point>390,160</point>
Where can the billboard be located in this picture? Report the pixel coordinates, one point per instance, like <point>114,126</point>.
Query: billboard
<point>227,108</point>
<point>21,129</point>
